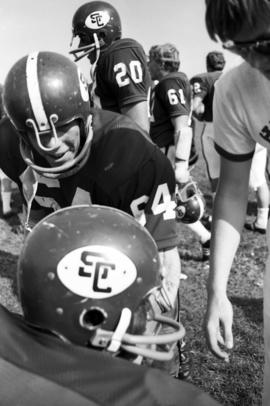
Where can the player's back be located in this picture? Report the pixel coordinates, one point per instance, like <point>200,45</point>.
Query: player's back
<point>37,369</point>
<point>122,75</point>
<point>170,98</point>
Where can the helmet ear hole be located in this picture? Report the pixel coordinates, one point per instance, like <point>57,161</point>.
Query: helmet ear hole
<point>92,318</point>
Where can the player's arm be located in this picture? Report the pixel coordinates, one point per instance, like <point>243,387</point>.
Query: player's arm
<point>228,219</point>
<point>171,272</point>
<point>138,112</point>
<point>182,142</point>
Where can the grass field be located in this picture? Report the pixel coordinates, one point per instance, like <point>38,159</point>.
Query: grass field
<point>238,382</point>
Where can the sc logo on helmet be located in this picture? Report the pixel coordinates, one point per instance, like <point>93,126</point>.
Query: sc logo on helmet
<point>96,271</point>
<point>97,20</point>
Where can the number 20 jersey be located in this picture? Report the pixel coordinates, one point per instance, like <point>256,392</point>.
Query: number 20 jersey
<point>122,75</point>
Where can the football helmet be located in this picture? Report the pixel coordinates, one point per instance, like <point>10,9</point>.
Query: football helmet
<point>97,24</point>
<point>42,92</point>
<point>215,61</point>
<point>90,274</point>
<point>190,204</point>
<point>167,55</point>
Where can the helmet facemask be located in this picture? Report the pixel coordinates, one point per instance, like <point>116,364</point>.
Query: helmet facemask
<point>135,334</point>
<point>67,169</point>
<point>92,51</point>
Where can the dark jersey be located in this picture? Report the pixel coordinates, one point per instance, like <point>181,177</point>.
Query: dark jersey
<point>170,98</point>
<point>203,85</point>
<point>38,369</point>
<point>124,170</point>
<point>122,75</point>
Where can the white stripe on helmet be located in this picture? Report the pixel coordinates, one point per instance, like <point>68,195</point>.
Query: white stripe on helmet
<point>34,92</point>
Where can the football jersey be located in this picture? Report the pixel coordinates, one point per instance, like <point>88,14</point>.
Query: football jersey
<point>124,170</point>
<point>38,369</point>
<point>203,85</point>
<point>122,75</point>
<point>170,98</point>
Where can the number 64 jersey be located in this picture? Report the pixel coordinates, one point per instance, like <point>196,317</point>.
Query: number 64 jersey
<point>122,75</point>
<point>124,170</point>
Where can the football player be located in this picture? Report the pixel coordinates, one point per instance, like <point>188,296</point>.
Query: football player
<point>170,127</point>
<point>87,282</point>
<point>121,81</point>
<point>65,153</point>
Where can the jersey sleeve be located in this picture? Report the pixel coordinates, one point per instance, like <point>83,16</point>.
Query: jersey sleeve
<point>155,207</point>
<point>122,77</point>
<point>141,182</point>
<point>232,139</point>
<point>175,96</point>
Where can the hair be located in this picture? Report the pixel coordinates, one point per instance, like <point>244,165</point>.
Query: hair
<point>227,18</point>
<point>167,55</point>
<point>215,61</point>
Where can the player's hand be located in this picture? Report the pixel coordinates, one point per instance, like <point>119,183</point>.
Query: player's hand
<point>218,326</point>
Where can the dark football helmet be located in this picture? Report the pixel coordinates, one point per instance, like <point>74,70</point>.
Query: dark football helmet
<point>44,91</point>
<point>190,204</point>
<point>91,274</point>
<point>215,61</point>
<point>97,24</point>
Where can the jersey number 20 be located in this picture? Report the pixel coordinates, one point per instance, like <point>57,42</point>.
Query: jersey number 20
<point>126,73</point>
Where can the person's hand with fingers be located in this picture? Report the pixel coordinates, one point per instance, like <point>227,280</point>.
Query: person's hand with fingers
<point>218,326</point>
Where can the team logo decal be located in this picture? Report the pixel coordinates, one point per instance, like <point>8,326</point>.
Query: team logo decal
<point>97,20</point>
<point>96,271</point>
<point>83,86</point>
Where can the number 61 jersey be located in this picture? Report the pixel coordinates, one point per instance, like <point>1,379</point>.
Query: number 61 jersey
<point>122,75</point>
<point>170,98</point>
